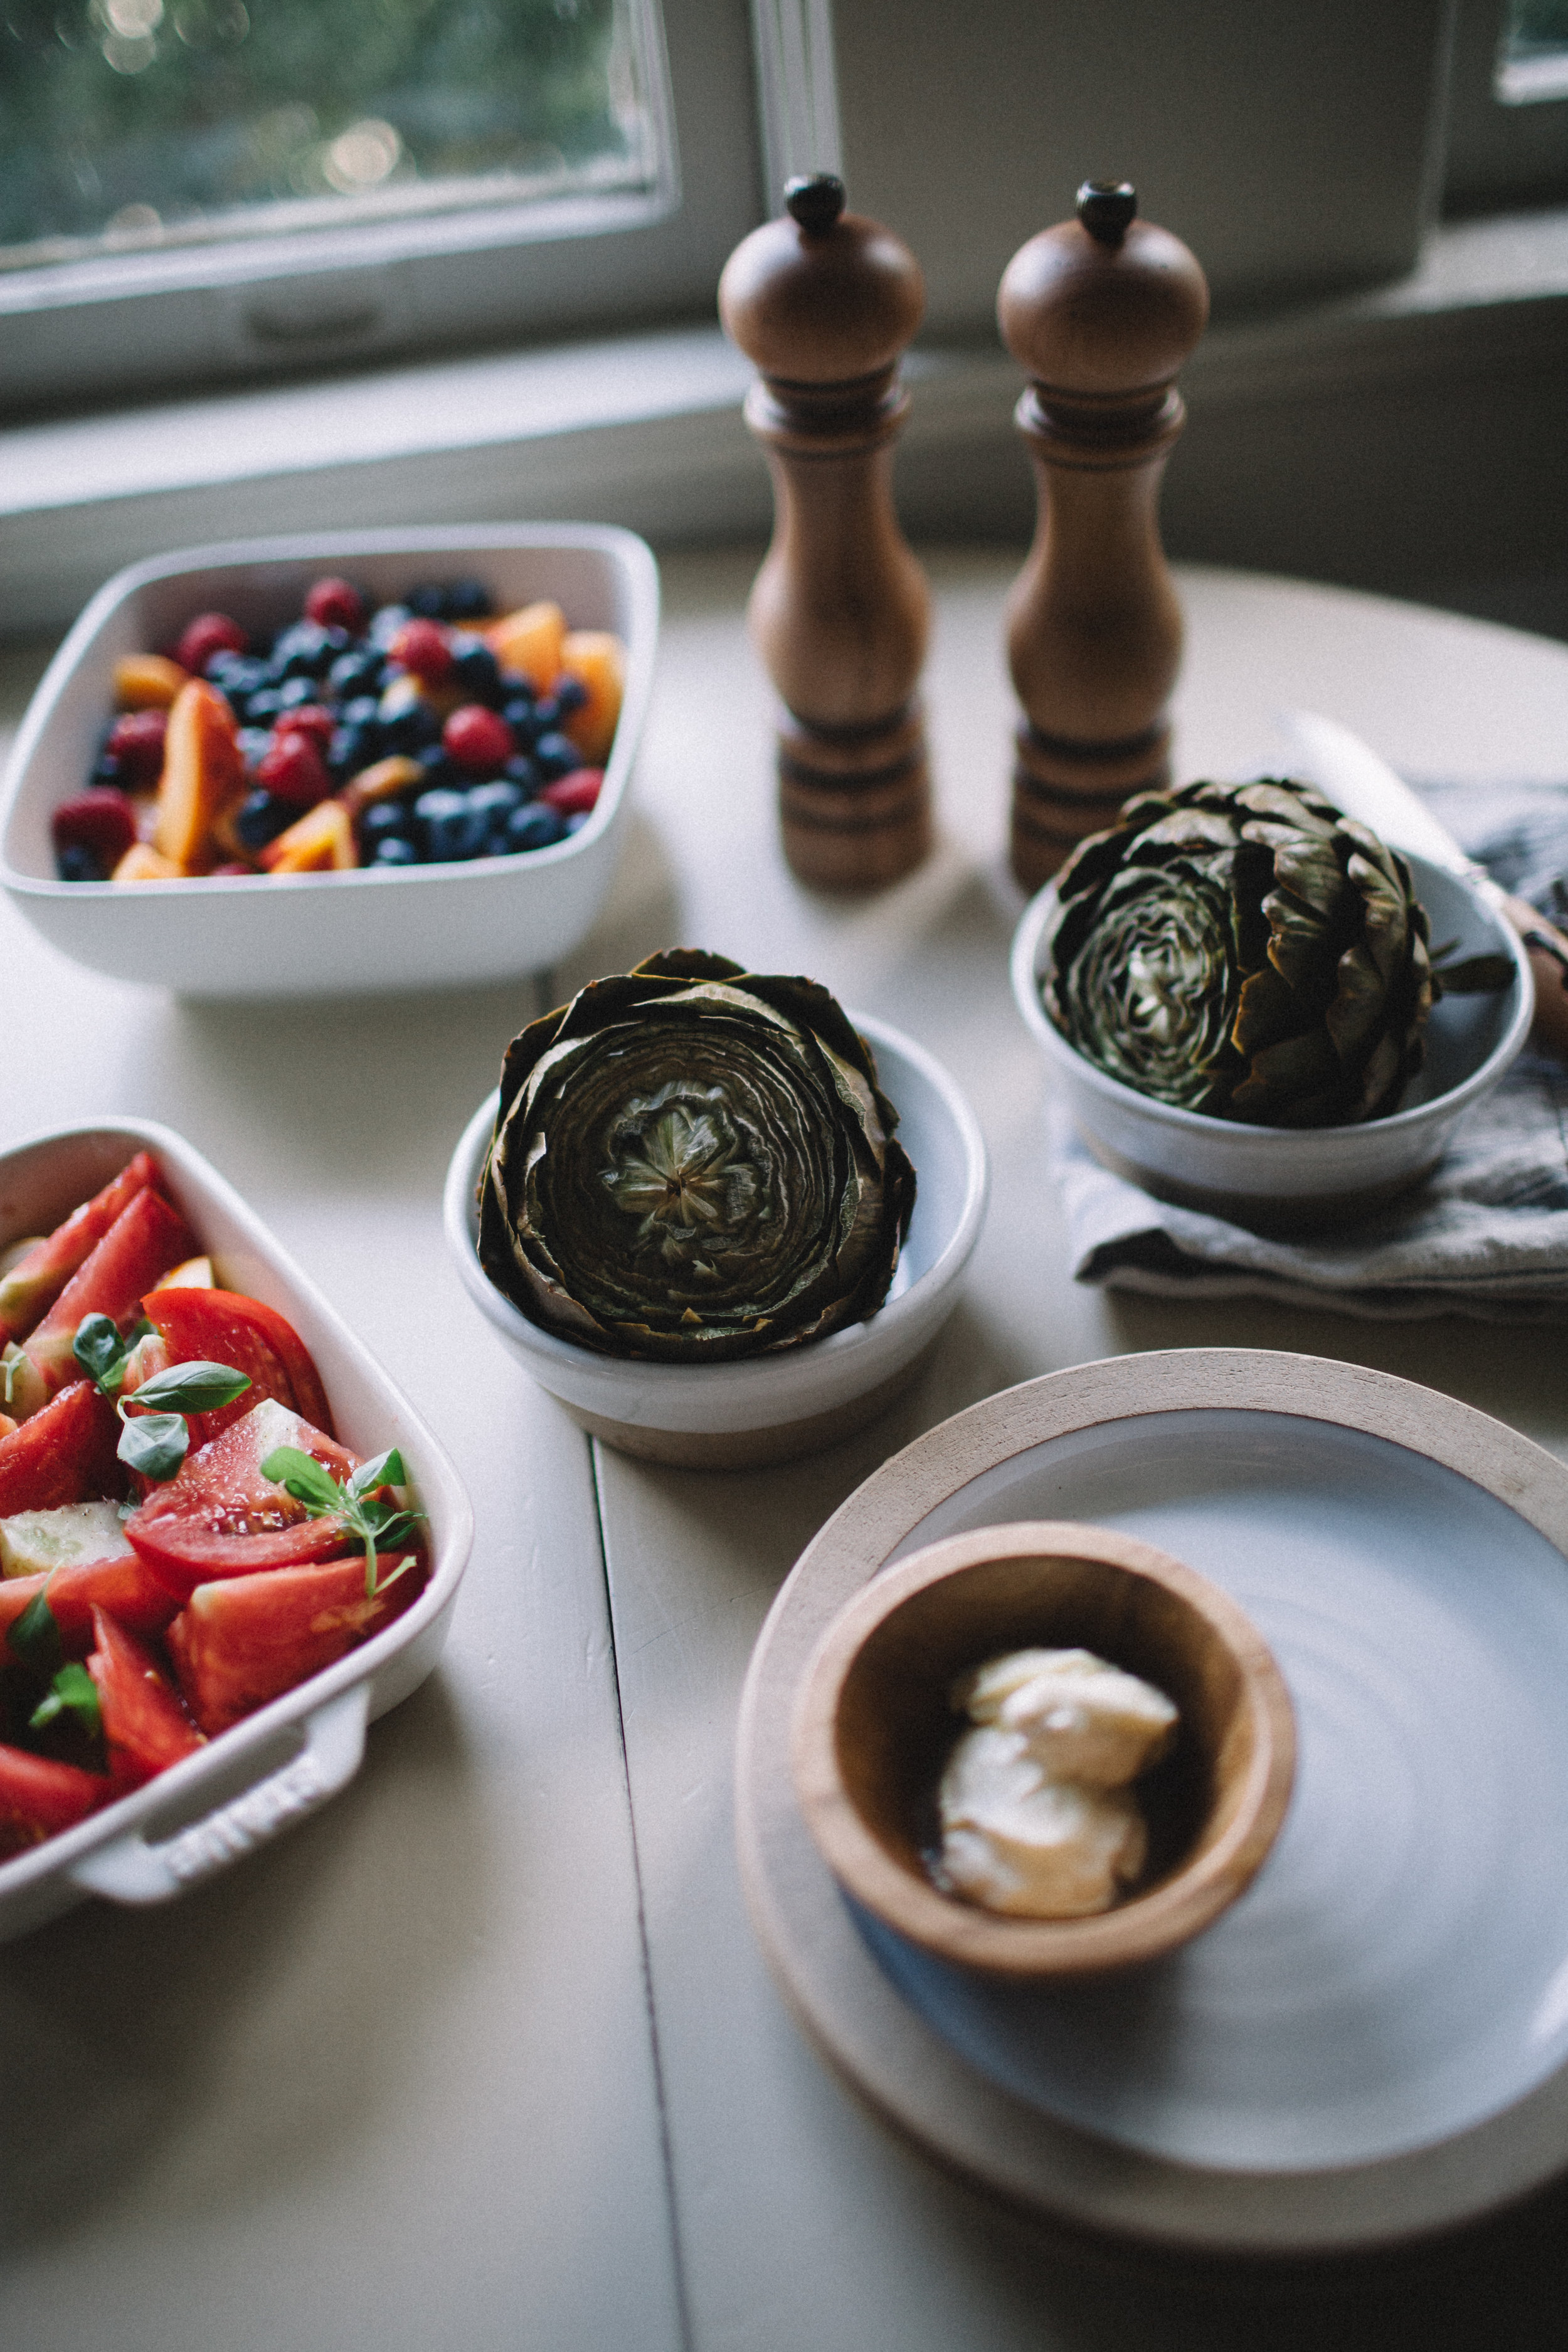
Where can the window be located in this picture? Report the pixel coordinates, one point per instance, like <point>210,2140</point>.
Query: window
<point>1508,110</point>
<point>201,188</point>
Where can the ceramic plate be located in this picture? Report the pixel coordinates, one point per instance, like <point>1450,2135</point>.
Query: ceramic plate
<point>1374,2041</point>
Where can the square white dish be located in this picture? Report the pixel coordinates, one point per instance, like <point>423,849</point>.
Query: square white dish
<point>325,934</point>
<point>208,1810</point>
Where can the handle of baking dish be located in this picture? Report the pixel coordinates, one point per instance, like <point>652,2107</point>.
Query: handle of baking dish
<point>132,1871</point>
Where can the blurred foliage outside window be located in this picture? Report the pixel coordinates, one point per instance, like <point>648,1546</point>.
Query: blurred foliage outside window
<point>134,125</point>
<point>1532,61</point>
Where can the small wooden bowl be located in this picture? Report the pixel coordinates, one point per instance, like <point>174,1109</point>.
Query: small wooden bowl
<point>873,1727</point>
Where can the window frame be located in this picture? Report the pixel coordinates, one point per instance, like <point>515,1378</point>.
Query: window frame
<point>202,313</point>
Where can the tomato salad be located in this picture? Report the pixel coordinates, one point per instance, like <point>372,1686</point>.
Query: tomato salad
<point>182,1538</point>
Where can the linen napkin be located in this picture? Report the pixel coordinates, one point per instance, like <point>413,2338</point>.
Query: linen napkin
<point>1485,1234</point>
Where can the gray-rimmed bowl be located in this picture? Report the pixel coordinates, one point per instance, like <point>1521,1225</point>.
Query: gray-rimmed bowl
<point>1294,1179</point>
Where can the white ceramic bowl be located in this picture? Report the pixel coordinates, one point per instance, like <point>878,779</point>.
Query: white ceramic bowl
<point>206,1813</point>
<point>767,1408</point>
<point>325,934</point>
<point>1293,1178</point>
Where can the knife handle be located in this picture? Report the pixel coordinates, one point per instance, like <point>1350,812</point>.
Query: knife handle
<point>1548,950</point>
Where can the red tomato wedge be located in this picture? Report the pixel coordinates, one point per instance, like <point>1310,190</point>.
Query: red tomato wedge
<point>145,1727</point>
<point>145,1240</point>
<point>122,1585</point>
<point>239,1644</point>
<point>220,1517</point>
<point>38,1798</point>
<point>65,1454</point>
<point>36,1280</point>
<point>219,1326</point>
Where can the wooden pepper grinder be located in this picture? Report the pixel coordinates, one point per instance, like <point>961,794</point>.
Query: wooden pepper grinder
<point>824,302</point>
<point>1102,310</point>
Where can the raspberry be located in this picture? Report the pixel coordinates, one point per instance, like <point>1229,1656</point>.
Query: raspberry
<point>136,741</point>
<point>99,820</point>
<point>293,769</point>
<point>421,647</point>
<point>574,794</point>
<point>335,605</point>
<point>478,738</point>
<point>208,634</point>
<point>307,719</point>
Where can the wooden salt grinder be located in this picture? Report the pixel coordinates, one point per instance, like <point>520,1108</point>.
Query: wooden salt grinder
<point>824,302</point>
<point>1102,310</point>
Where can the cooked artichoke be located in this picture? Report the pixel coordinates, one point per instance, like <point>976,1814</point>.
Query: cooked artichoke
<point>1247,950</point>
<point>693,1163</point>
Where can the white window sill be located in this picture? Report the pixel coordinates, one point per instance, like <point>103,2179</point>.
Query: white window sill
<point>645,429</point>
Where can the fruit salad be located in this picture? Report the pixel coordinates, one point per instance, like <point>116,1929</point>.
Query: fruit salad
<point>417,733</point>
<point>183,1536</point>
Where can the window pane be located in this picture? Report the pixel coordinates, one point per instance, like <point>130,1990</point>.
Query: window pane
<point>127,125</point>
<point>1532,62</point>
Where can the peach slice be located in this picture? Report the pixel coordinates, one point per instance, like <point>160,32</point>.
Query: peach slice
<point>530,642</point>
<point>142,863</point>
<point>597,658</point>
<point>147,681</point>
<point>321,842</point>
<point>202,770</point>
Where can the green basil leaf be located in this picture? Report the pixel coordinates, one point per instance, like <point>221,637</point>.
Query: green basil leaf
<point>155,1443</point>
<point>382,1470</point>
<point>98,1347</point>
<point>35,1638</point>
<point>72,1689</point>
<point>301,1476</point>
<point>193,1387</point>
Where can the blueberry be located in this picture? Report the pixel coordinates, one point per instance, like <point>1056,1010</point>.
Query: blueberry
<point>361,711</point>
<point>307,650</point>
<point>533,827</point>
<point>427,602</point>
<point>105,769</point>
<point>395,849</point>
<point>492,805</point>
<point>522,717</point>
<point>578,819</point>
<point>476,671</point>
<point>546,713</point>
<point>238,676</point>
<point>353,672</point>
<point>75,863</point>
<point>407,722</point>
<point>438,768</point>
<point>264,705</point>
<point>296,691</point>
<point>384,625</point>
<point>570,694</point>
<point>261,818</point>
<point>254,741</point>
<point>557,756</point>
<point>349,750</point>
<point>449,829</point>
<point>520,770</point>
<point>467,600</point>
<point>384,818</point>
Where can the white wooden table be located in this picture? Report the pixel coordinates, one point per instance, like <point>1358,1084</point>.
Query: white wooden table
<point>485,2054</point>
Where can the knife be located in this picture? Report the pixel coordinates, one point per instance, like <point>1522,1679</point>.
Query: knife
<point>1352,775</point>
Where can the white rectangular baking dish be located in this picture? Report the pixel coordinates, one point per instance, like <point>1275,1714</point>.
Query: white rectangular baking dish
<point>208,1810</point>
<point>325,934</point>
